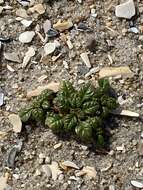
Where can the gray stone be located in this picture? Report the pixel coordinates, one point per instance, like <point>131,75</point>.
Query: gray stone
<point>125,10</point>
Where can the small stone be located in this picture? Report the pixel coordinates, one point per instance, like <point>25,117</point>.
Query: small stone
<point>70,164</point>
<point>21,13</point>
<point>111,187</point>
<point>28,55</point>
<point>16,176</point>
<point>24,3</point>
<point>120,148</point>
<point>38,172</point>
<point>1,98</point>
<point>92,71</point>
<point>137,184</point>
<point>83,27</point>
<point>47,160</point>
<point>93,13</point>
<point>61,26</point>
<point>39,8</point>
<point>47,170</point>
<point>56,146</point>
<point>134,30</point>
<point>125,10</point>
<point>52,86</point>
<point>140,147</point>
<point>47,26</point>
<point>41,155</point>
<point>85,59</point>
<point>55,170</point>
<point>61,177</point>
<point>52,33</point>
<point>12,57</point>
<point>142,135</point>
<point>69,44</point>
<point>26,37</point>
<point>41,160</point>
<point>49,48</point>
<point>26,23</point>
<point>88,171</point>
<point>65,64</point>
<point>16,122</point>
<point>3,182</point>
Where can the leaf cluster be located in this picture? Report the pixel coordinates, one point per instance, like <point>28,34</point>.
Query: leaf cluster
<point>81,112</point>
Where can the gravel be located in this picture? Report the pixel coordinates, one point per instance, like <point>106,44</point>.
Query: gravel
<point>108,42</point>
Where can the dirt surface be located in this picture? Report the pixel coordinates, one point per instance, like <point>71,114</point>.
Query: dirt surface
<point>115,46</point>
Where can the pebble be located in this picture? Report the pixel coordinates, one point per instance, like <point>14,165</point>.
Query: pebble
<point>92,71</point>
<point>38,172</point>
<point>120,148</point>
<point>137,184</point>
<point>55,170</point>
<point>39,8</point>
<point>26,23</point>
<point>24,3</point>
<point>133,30</point>
<point>62,26</point>
<point>85,59</point>
<point>47,170</point>
<point>26,37</point>
<point>70,164</point>
<point>21,13</point>
<point>28,55</point>
<point>56,146</point>
<point>140,147</point>
<point>93,13</point>
<point>49,48</point>
<point>16,176</point>
<point>83,27</point>
<point>12,57</point>
<point>15,120</point>
<point>142,135</point>
<point>1,98</point>
<point>52,33</point>
<point>41,155</point>
<point>125,10</point>
<point>61,177</point>
<point>112,187</point>
<point>47,26</point>
<point>47,160</point>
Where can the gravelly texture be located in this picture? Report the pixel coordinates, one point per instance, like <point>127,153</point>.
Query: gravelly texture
<point>126,49</point>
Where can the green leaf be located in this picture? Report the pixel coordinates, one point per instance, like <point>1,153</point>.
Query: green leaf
<point>25,114</point>
<point>86,92</point>
<point>38,114</point>
<point>55,122</point>
<point>75,101</point>
<point>46,105</point>
<point>84,131</point>
<point>104,84</point>
<point>61,103</point>
<point>95,122</point>
<point>109,102</point>
<point>91,107</point>
<point>70,121</point>
<point>67,89</point>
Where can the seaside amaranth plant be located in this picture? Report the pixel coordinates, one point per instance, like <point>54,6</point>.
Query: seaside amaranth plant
<point>81,112</point>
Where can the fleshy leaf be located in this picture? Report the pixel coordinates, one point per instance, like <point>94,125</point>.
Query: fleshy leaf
<point>54,121</point>
<point>70,121</point>
<point>25,114</point>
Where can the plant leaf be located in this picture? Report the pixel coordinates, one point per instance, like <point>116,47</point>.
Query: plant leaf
<point>25,114</point>
<point>70,121</point>
<point>54,121</point>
